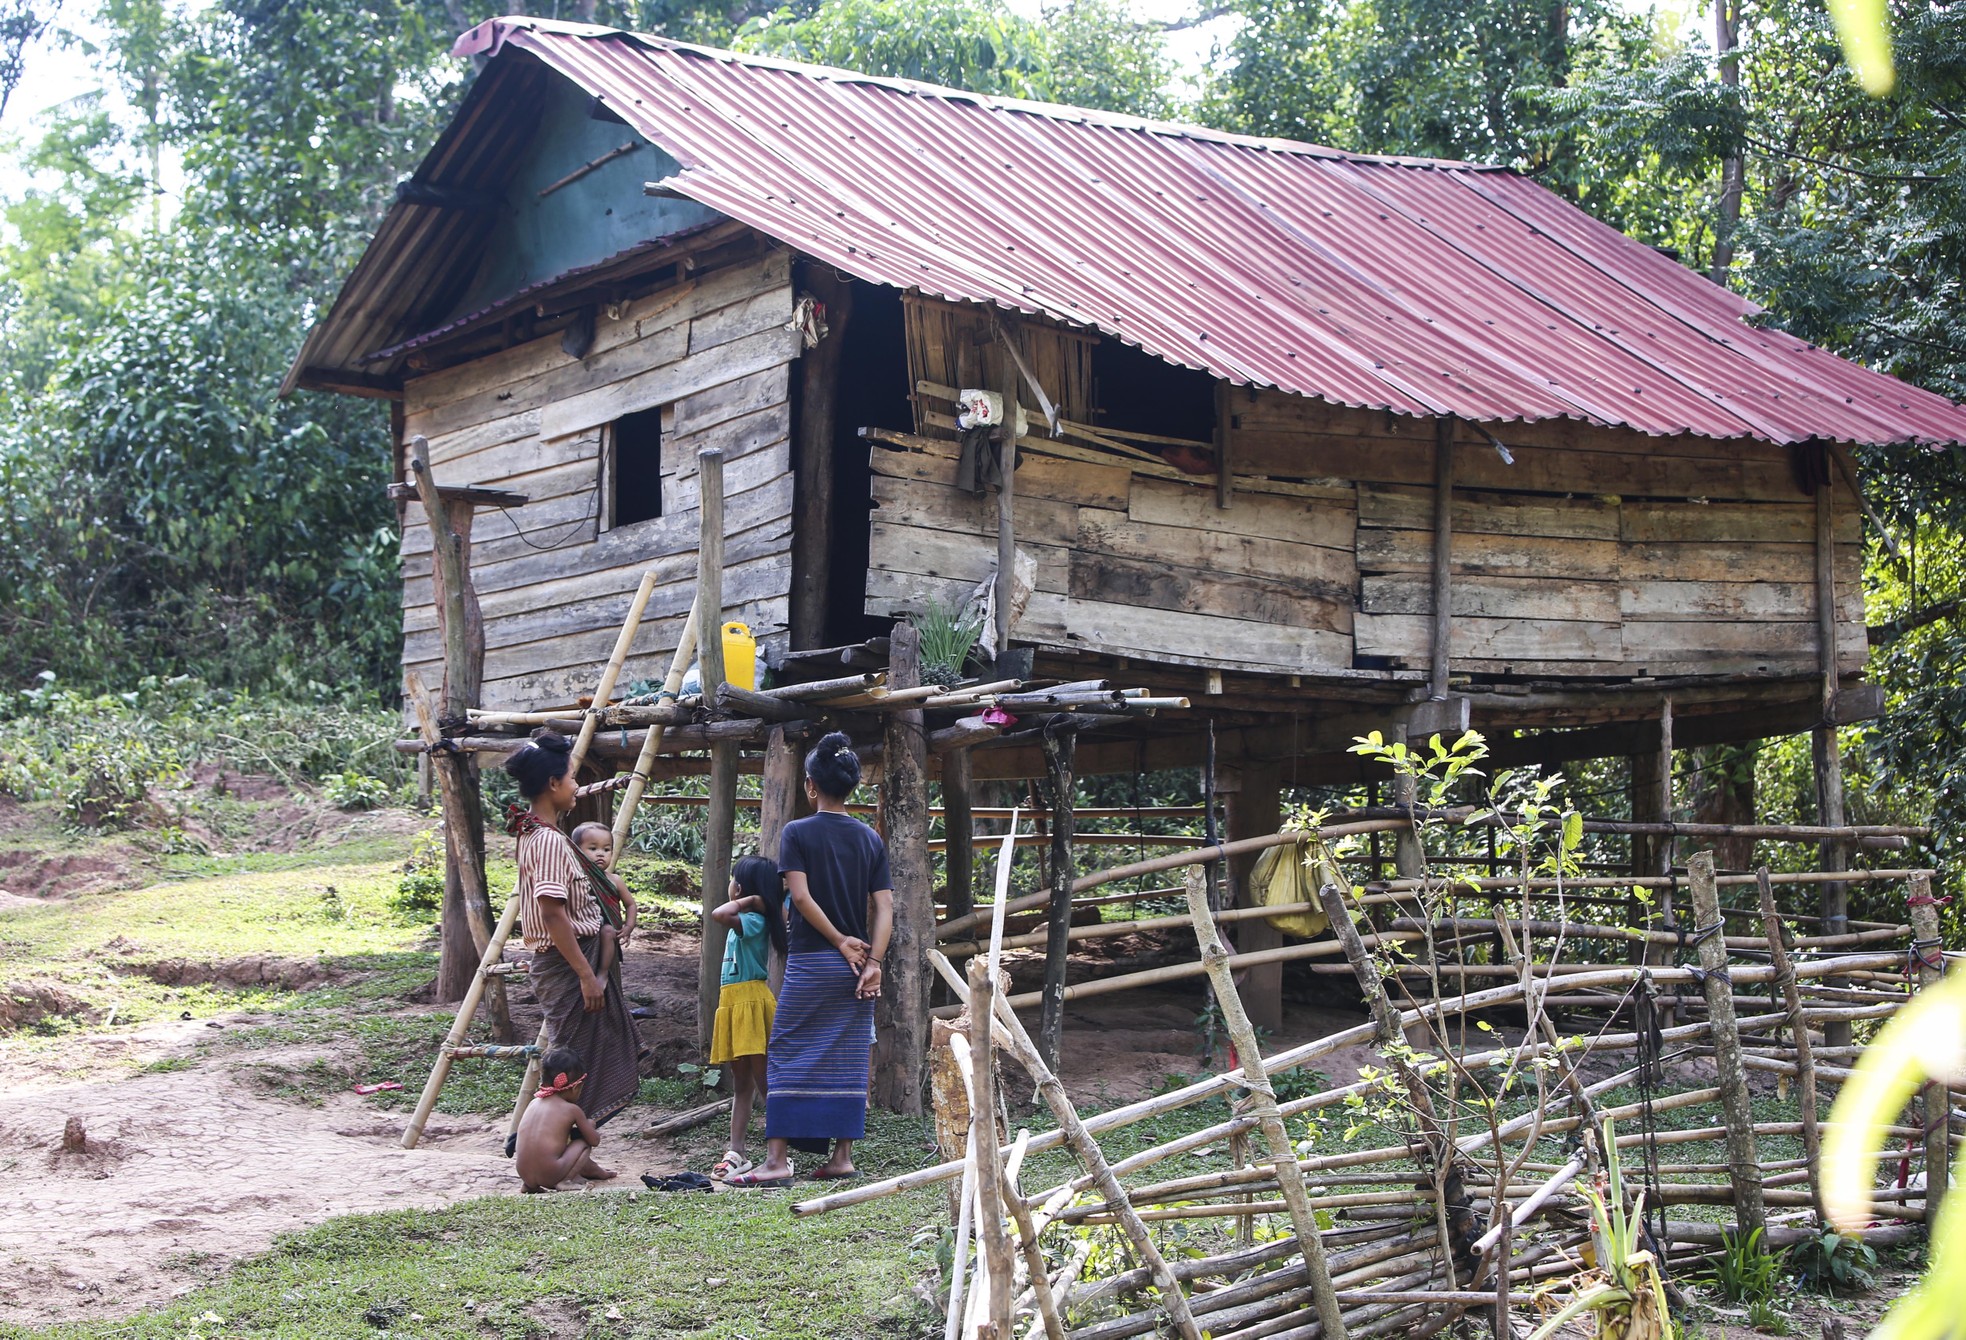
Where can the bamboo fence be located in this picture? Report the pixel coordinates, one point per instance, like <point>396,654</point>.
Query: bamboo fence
<point>1677,1043</point>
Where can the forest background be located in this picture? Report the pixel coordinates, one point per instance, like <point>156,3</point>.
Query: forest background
<point>177,542</point>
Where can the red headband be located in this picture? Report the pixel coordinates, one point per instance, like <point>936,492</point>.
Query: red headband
<point>561,1083</point>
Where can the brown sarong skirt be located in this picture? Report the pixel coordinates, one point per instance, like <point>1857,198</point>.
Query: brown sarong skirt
<point>606,1040</point>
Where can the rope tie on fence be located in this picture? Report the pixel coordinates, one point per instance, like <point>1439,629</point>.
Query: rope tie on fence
<point>1924,954</point>
<point>1651,1066</point>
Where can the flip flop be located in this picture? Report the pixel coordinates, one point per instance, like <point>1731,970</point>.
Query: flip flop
<point>821,1175</point>
<point>731,1165</point>
<point>751,1179</point>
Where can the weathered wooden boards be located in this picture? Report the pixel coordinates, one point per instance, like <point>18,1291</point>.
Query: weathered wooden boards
<point>1595,554</point>
<point>715,352</point>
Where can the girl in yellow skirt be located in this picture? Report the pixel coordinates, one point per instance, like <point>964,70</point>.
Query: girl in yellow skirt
<point>755,919</point>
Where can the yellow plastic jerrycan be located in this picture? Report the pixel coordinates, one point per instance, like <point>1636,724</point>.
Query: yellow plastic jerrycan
<point>740,656</point>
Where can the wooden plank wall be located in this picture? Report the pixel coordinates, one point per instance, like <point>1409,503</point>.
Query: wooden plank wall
<point>531,419</point>
<point>1594,554</point>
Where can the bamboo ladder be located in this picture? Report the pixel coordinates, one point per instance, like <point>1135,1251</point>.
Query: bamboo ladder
<point>492,964</point>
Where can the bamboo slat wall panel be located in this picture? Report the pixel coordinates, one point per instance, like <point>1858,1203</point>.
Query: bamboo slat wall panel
<point>955,345</point>
<point>532,419</point>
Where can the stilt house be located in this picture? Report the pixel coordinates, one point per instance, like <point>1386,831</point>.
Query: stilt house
<point>1324,442</point>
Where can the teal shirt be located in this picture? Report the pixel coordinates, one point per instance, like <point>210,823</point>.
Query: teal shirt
<point>745,949</point>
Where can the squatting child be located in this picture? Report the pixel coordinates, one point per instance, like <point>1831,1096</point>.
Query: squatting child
<point>556,1140</point>
<point>755,916</point>
<point>596,843</point>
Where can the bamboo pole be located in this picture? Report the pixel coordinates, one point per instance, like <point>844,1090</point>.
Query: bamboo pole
<point>1748,1203</point>
<point>1074,1132</point>
<point>629,627</point>
<point>461,1025</point>
<point>995,1240</point>
<point>672,683</point>
<point>1262,1102</point>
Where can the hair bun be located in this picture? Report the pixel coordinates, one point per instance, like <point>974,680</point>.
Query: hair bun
<point>552,741</point>
<point>833,745</point>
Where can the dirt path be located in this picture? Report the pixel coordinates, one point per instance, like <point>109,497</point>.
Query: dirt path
<point>185,1170</point>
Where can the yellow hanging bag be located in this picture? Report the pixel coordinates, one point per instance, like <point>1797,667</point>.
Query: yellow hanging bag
<point>1281,878</point>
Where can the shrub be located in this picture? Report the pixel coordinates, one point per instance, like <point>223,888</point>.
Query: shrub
<point>1829,1261</point>
<point>351,790</point>
<point>419,895</point>
<point>1745,1271</point>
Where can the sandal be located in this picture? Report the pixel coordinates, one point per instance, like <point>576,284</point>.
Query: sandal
<point>752,1179</point>
<point>730,1165</point>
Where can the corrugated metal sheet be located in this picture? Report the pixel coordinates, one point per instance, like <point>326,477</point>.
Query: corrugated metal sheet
<point>1410,285</point>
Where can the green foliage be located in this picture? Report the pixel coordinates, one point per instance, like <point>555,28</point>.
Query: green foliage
<point>1767,1318</point>
<point>419,895</point>
<point>1087,52</point>
<point>1745,1271</point>
<point>106,756</point>
<point>948,636</point>
<point>351,790</point>
<point>1828,1261</point>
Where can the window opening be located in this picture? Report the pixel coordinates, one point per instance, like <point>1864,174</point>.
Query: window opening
<point>633,467</point>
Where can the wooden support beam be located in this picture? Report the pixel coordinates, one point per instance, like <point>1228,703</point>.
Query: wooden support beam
<point>1824,750</point>
<point>1256,808</point>
<point>719,823</point>
<point>993,1240</point>
<point>1744,1162</point>
<point>1225,421</point>
<point>812,455</point>
<point>1443,568</point>
<point>959,835</point>
<point>1060,741</point>
<point>1006,585</point>
<point>902,1050</point>
<point>466,916</point>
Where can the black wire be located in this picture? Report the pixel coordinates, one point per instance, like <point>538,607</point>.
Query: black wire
<point>573,529</point>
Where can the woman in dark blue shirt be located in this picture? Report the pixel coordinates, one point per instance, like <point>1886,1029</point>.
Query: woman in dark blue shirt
<point>842,900</point>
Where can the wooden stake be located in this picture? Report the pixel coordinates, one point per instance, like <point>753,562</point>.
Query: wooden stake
<point>1060,740</point>
<point>1262,1102</point>
<point>1075,1134</point>
<point>983,1138</point>
<point>1805,1063</point>
<point>1042,1297</point>
<point>1930,957</point>
<point>1746,1176</point>
<point>720,819</point>
<point>903,1008</point>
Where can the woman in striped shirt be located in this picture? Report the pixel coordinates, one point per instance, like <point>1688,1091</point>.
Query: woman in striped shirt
<point>561,920</point>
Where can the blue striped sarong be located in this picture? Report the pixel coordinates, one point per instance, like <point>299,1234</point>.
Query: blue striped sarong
<point>816,1066</point>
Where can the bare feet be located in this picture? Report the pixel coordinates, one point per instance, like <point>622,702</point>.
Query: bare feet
<point>594,1172</point>
<point>532,1190</point>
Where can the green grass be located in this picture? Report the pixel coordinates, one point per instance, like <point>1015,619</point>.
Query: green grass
<point>683,1265</point>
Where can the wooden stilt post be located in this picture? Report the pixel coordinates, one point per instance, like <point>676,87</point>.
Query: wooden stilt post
<point>814,434</point>
<point>778,806</point>
<point>1255,808</point>
<point>959,830</point>
<point>1263,1103</point>
<point>1927,950</point>
<point>720,817</point>
<point>1651,802</point>
<point>1805,1062</point>
<point>1743,1163</point>
<point>983,1137</point>
<point>1060,741</point>
<point>1827,756</point>
<point>902,1010</point>
<point>467,920</point>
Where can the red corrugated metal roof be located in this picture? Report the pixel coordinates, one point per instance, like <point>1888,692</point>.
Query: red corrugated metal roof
<point>1410,285</point>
